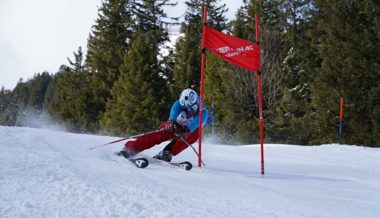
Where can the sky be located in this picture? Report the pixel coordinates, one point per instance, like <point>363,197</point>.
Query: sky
<point>39,35</point>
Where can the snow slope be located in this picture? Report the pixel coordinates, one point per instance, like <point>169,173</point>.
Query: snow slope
<point>47,173</point>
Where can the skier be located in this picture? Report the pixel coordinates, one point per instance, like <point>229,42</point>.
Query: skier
<point>182,125</point>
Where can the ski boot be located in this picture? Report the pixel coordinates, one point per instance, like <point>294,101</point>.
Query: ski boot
<point>164,155</point>
<point>126,152</point>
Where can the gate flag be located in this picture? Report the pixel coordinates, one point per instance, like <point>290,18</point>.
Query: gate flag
<point>243,53</point>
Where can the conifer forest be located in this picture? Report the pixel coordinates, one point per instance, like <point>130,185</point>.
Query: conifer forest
<point>313,53</point>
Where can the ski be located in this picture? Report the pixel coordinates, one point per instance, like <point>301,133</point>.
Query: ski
<point>186,165</point>
<point>139,162</point>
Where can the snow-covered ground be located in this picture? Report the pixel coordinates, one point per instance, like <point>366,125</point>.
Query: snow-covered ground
<point>46,173</point>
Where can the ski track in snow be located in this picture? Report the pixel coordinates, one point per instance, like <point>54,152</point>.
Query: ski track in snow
<point>48,174</point>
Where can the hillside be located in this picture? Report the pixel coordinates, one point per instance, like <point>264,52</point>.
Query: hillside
<point>46,173</point>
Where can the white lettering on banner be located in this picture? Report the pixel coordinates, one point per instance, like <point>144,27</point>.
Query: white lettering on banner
<point>224,49</point>
<point>234,51</point>
<point>240,50</point>
<point>249,48</point>
<point>232,54</point>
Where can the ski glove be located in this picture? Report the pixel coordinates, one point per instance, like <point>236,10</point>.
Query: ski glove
<point>182,132</point>
<point>178,129</point>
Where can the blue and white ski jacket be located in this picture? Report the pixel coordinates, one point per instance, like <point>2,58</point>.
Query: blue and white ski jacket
<point>177,109</point>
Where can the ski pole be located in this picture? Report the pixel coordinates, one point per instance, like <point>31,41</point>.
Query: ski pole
<point>119,140</point>
<point>188,144</point>
<point>109,143</point>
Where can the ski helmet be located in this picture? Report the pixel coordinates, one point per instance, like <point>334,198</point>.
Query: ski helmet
<point>189,100</point>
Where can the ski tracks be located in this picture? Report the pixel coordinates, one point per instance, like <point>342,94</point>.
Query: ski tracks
<point>41,177</point>
<point>37,180</point>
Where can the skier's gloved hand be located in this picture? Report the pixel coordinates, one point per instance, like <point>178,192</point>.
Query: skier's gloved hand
<point>179,126</point>
<point>184,119</point>
<point>179,131</point>
<point>171,125</point>
<point>182,132</point>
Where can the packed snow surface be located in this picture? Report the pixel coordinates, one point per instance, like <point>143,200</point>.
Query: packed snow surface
<point>46,173</point>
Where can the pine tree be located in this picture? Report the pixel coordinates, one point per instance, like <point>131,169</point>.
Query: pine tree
<point>235,89</point>
<point>372,11</point>
<point>107,44</point>
<point>37,87</point>
<point>138,100</point>
<point>6,118</point>
<point>186,72</point>
<point>4,100</point>
<point>349,49</point>
<point>19,102</point>
<point>294,116</point>
<point>136,95</point>
<point>70,96</point>
<point>25,100</point>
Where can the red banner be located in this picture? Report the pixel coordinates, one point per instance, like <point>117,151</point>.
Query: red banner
<point>243,53</point>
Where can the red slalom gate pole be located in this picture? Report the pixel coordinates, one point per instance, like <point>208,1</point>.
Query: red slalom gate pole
<point>202,88</point>
<point>340,121</point>
<point>261,122</point>
<point>261,119</point>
